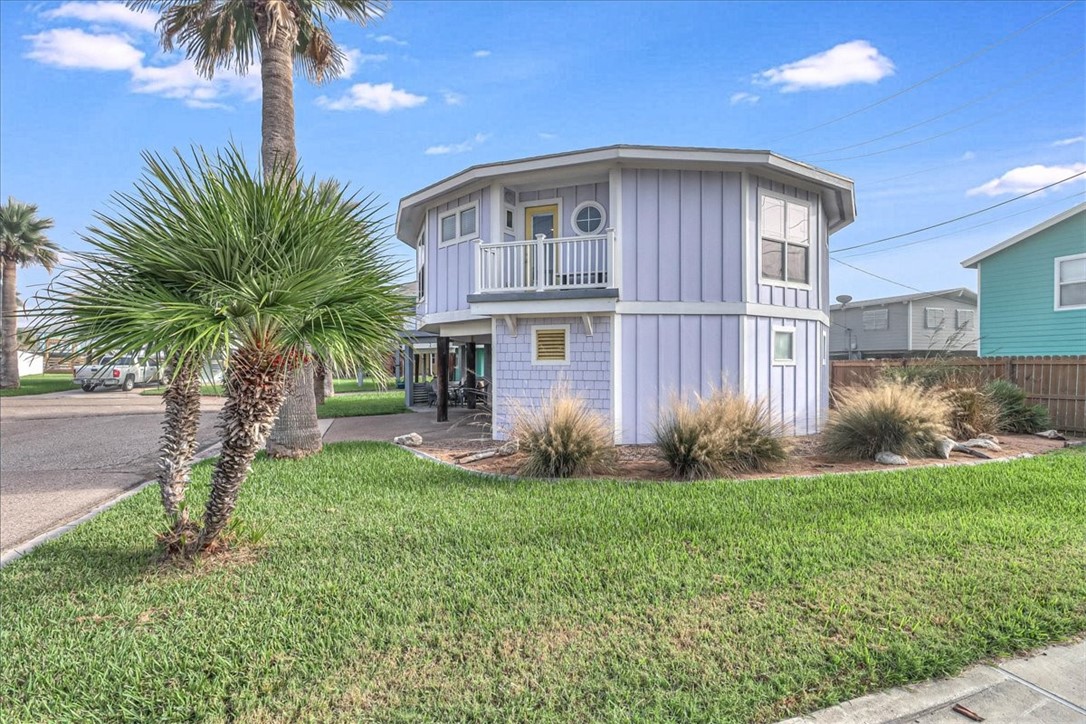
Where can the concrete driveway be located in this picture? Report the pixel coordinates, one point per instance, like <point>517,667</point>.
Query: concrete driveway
<point>63,453</point>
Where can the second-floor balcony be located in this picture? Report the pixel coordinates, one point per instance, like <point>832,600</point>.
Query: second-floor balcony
<point>543,264</point>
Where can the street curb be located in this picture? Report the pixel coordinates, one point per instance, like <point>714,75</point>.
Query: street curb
<point>14,554</point>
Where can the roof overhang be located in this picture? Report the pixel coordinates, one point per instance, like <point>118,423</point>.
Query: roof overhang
<point>837,192</point>
<point>973,261</point>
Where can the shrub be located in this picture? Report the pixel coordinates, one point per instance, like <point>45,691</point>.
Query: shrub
<point>1016,415</point>
<point>888,417</point>
<point>936,372</point>
<point>562,437</point>
<point>723,433</point>
<point>972,411</point>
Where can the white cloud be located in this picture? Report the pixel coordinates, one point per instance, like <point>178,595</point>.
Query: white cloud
<point>73,48</point>
<point>856,61</point>
<point>1069,141</point>
<point>354,58</point>
<point>452,98</point>
<point>968,156</point>
<point>1026,178</point>
<point>388,39</point>
<point>461,147</point>
<point>743,97</point>
<point>182,82</point>
<point>548,136</point>
<point>104,13</point>
<point>381,97</point>
<point>481,54</point>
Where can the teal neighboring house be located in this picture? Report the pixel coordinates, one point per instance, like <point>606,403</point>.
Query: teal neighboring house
<point>1032,290</point>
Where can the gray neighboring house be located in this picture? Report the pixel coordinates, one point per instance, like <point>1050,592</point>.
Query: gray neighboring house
<point>910,325</point>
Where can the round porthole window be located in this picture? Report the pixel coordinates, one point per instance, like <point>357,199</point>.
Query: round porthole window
<point>588,218</point>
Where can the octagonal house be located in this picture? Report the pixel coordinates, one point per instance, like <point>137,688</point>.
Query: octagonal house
<point>633,274</point>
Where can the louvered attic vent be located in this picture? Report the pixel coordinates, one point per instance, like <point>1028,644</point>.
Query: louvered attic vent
<point>550,345</point>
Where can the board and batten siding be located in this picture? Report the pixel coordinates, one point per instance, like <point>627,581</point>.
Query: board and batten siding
<point>450,269</point>
<point>519,382</point>
<point>1017,296</point>
<point>667,356</point>
<point>570,196</point>
<point>798,394</point>
<point>681,235</point>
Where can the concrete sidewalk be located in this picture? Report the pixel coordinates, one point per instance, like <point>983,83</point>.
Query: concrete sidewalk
<point>1048,687</point>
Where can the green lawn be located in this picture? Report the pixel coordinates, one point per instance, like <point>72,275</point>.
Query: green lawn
<point>208,390</point>
<point>362,403</point>
<point>343,386</point>
<point>40,384</point>
<point>390,588</point>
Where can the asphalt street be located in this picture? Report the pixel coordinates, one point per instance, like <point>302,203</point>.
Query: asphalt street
<point>64,453</point>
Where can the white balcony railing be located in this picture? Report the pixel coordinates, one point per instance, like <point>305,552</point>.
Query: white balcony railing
<point>540,264</point>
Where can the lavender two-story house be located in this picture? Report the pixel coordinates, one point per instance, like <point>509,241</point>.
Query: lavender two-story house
<point>633,274</point>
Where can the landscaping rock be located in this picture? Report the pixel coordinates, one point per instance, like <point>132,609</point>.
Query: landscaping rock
<point>889,458</point>
<point>982,443</point>
<point>987,436</point>
<point>411,439</point>
<point>944,446</point>
<point>510,448</point>
<point>1050,434</point>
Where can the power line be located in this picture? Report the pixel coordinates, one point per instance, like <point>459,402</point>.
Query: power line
<point>957,218</point>
<point>1025,101</point>
<point>900,284</point>
<point>967,228</point>
<point>930,78</point>
<point>972,102</point>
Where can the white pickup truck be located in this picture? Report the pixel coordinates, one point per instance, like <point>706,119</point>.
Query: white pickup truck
<point>117,372</point>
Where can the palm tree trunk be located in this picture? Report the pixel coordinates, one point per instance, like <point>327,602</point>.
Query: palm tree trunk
<point>255,387</point>
<point>178,445</point>
<point>323,383</point>
<point>9,359</point>
<point>297,433</point>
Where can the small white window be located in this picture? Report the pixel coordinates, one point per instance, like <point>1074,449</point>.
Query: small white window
<point>933,317</point>
<point>509,216</point>
<point>420,263</point>
<point>459,224</point>
<point>588,218</point>
<point>876,319</point>
<point>785,230</point>
<point>1071,282</point>
<point>963,318</point>
<point>550,344</point>
<point>784,346</point>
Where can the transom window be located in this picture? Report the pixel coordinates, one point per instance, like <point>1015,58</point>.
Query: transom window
<point>588,218</point>
<point>1071,282</point>
<point>933,317</point>
<point>786,239</point>
<point>458,225</point>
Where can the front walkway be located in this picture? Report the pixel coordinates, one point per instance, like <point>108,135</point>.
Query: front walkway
<point>1048,687</point>
<point>463,424</point>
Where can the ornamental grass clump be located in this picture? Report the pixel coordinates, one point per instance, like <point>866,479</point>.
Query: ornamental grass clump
<point>563,437</point>
<point>1016,415</point>
<point>721,434</point>
<point>972,412</point>
<point>888,417</point>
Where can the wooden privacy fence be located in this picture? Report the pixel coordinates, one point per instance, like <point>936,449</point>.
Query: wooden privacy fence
<point>1058,383</point>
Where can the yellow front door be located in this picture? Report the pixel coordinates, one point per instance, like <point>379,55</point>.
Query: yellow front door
<point>541,220</point>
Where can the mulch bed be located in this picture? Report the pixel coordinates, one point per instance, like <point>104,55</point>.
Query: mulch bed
<point>640,462</point>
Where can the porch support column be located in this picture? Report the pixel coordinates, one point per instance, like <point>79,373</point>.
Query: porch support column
<point>469,374</point>
<point>409,375</point>
<point>442,379</point>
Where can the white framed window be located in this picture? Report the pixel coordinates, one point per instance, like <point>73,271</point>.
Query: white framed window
<point>420,263</point>
<point>588,218</point>
<point>785,233</point>
<point>876,319</point>
<point>1070,282</point>
<point>550,344</point>
<point>933,317</point>
<point>784,345</point>
<point>509,222</point>
<point>460,224</point>
<point>963,318</point>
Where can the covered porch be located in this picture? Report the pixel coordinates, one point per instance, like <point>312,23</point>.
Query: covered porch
<point>451,370</point>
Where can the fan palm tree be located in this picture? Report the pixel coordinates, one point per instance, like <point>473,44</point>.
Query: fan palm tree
<point>203,259</point>
<point>217,34</point>
<point>23,243</point>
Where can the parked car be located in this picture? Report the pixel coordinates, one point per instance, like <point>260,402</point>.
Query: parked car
<point>118,372</point>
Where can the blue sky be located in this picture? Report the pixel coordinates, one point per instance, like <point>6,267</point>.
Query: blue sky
<point>438,86</point>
